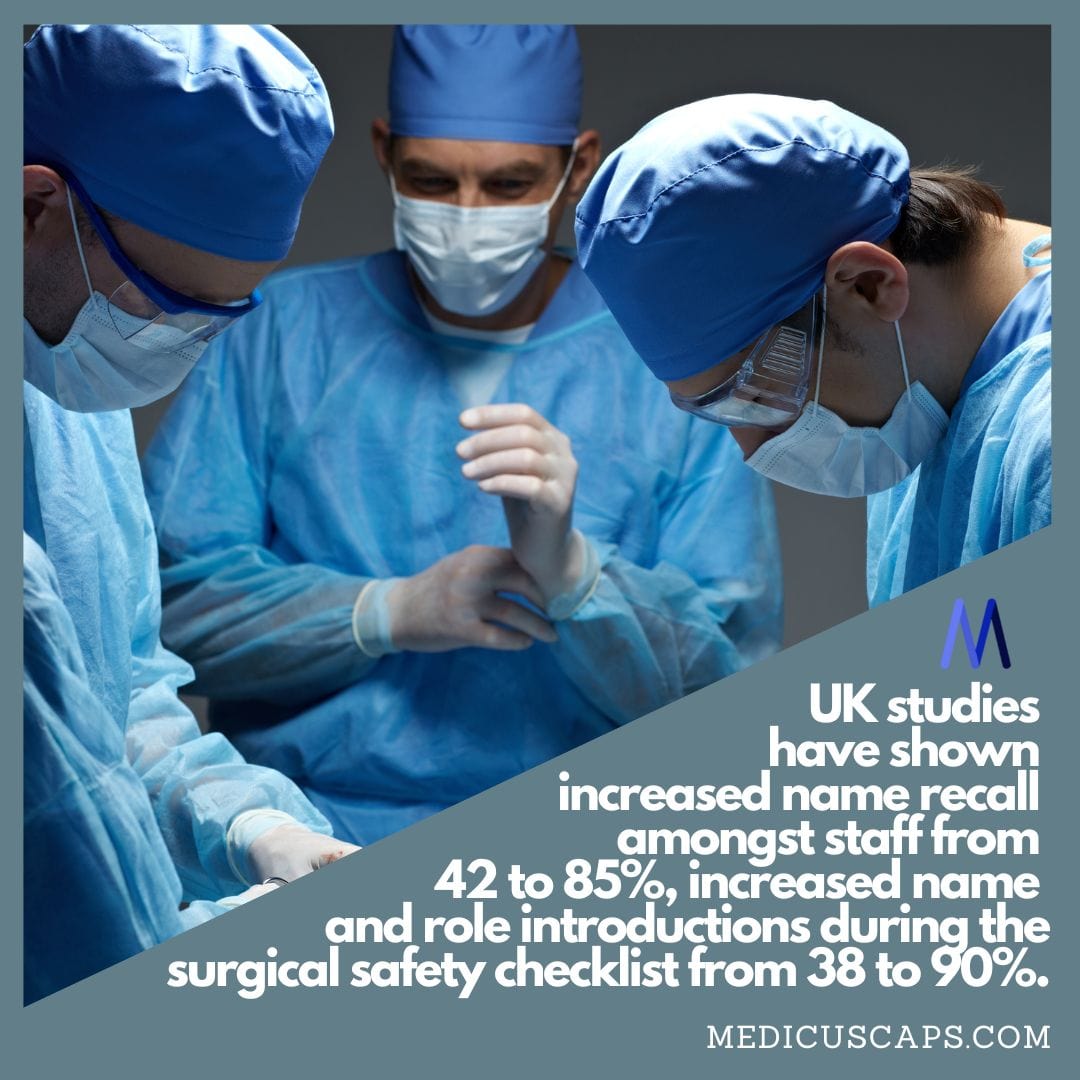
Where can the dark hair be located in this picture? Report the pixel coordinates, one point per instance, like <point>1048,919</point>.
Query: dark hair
<point>946,210</point>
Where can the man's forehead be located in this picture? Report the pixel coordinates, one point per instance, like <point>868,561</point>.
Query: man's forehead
<point>191,271</point>
<point>474,155</point>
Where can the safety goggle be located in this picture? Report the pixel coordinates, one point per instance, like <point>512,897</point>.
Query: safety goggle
<point>770,387</point>
<point>144,305</point>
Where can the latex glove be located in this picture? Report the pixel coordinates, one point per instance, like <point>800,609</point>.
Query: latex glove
<point>517,454</point>
<point>456,604</point>
<point>291,851</point>
<point>246,895</point>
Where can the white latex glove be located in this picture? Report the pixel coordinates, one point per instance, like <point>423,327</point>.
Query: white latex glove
<point>517,454</point>
<point>455,604</point>
<point>291,851</point>
<point>246,895</point>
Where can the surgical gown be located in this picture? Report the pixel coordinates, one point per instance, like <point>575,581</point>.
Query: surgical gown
<point>98,884</point>
<point>987,483</point>
<point>83,503</point>
<point>313,449</point>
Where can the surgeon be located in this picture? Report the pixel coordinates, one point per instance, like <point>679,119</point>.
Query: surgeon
<point>165,168</point>
<point>425,519</point>
<point>861,327</point>
<point>88,902</point>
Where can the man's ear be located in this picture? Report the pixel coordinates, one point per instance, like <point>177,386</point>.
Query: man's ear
<point>586,161</point>
<point>868,277</point>
<point>380,143</point>
<point>44,203</point>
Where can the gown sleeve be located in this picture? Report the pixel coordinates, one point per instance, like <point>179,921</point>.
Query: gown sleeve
<point>709,605</point>
<point>253,626</point>
<point>198,783</point>
<point>98,884</point>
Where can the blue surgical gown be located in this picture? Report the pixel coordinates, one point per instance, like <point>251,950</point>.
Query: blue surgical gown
<point>313,449</point>
<point>84,505</point>
<point>98,884</point>
<point>987,483</point>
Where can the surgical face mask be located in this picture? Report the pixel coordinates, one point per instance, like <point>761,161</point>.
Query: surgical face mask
<point>473,259</point>
<point>824,454</point>
<point>108,359</point>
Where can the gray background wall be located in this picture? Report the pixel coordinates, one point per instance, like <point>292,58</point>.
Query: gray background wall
<point>977,95</point>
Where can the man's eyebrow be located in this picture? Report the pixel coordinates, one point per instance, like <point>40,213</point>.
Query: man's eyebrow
<point>422,163</point>
<point>523,168</point>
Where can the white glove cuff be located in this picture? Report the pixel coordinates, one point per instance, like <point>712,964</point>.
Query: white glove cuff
<point>371,618</point>
<point>573,600</point>
<point>244,830</point>
<point>236,901</point>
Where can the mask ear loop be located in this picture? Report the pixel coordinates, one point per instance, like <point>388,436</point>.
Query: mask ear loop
<point>821,347</point>
<point>565,176</point>
<point>821,342</point>
<point>79,247</point>
<point>903,357</point>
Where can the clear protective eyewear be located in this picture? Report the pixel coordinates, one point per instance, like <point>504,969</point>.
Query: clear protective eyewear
<point>770,387</point>
<point>144,309</point>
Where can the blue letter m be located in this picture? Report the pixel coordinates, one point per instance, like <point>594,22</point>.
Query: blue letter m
<point>959,624</point>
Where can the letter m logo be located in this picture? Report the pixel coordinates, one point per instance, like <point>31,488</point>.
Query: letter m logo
<point>960,624</point>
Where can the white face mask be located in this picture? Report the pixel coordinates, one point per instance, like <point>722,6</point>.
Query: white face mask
<point>473,259</point>
<point>824,454</point>
<point>95,370</point>
<point>98,367</point>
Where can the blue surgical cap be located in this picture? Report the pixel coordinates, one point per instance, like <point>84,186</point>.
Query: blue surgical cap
<point>500,83</point>
<point>717,219</point>
<point>209,135</point>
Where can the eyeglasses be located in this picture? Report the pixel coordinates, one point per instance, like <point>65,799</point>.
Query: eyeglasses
<point>144,305</point>
<point>770,387</point>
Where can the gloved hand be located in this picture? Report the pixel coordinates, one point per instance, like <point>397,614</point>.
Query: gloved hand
<point>517,454</point>
<point>248,894</point>
<point>455,604</point>
<point>291,851</point>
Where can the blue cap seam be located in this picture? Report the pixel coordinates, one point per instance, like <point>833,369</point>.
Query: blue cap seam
<point>892,185</point>
<point>311,91</point>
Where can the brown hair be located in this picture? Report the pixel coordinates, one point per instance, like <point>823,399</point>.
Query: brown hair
<point>945,211</point>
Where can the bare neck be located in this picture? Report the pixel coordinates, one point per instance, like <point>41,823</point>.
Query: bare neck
<point>953,309</point>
